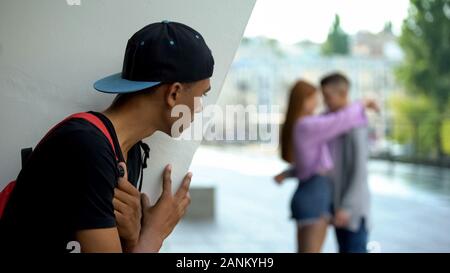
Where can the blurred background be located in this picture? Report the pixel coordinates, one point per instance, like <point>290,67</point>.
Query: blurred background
<point>397,52</point>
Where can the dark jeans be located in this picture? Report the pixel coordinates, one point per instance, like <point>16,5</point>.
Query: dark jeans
<point>352,242</point>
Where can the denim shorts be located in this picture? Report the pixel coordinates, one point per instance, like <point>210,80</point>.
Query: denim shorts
<point>312,200</point>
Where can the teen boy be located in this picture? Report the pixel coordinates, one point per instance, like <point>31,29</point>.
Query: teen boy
<point>351,204</point>
<point>73,188</point>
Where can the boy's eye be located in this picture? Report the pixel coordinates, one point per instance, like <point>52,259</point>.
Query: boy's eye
<point>205,94</point>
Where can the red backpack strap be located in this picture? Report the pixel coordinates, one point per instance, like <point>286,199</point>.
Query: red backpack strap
<point>91,118</point>
<point>5,194</point>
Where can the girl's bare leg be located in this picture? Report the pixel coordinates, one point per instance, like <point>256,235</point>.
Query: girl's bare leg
<point>310,238</point>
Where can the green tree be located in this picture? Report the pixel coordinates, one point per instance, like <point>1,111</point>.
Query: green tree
<point>337,41</point>
<point>445,134</point>
<point>414,122</point>
<point>425,40</point>
<point>388,27</point>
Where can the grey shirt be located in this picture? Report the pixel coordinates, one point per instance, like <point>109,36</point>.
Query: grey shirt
<point>349,176</point>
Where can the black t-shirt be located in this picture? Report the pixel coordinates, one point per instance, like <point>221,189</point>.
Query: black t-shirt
<point>66,185</point>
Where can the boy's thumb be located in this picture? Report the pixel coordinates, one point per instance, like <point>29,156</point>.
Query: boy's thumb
<point>145,201</point>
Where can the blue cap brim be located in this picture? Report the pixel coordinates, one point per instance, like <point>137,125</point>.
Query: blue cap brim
<point>114,84</point>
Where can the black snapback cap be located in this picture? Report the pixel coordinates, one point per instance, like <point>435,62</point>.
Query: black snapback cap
<point>163,52</point>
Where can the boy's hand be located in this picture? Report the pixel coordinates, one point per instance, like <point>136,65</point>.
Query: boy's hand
<point>128,211</point>
<point>159,221</point>
<point>372,105</point>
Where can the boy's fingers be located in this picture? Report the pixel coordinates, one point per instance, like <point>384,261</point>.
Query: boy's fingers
<point>124,196</point>
<point>119,217</point>
<point>184,204</point>
<point>123,183</point>
<point>145,201</point>
<point>184,188</point>
<point>127,187</point>
<point>167,180</point>
<point>119,205</point>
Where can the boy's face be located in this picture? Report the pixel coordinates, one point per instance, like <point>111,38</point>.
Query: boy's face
<point>185,100</point>
<point>335,96</point>
<point>193,96</point>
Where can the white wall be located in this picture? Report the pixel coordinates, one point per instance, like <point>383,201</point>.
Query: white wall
<point>51,53</point>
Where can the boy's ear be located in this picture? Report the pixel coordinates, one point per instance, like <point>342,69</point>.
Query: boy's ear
<point>173,94</point>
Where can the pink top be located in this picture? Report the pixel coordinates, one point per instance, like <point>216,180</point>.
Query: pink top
<point>312,133</point>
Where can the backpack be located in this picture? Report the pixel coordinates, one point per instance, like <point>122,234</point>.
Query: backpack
<point>5,194</point>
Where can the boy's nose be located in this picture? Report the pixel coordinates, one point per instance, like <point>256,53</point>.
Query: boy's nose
<point>198,105</point>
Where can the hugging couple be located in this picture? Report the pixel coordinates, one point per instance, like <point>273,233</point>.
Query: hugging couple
<point>328,155</point>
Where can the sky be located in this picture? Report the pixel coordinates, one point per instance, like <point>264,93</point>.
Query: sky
<point>291,21</point>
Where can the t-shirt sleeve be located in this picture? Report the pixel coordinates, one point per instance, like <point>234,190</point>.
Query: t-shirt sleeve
<point>92,175</point>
